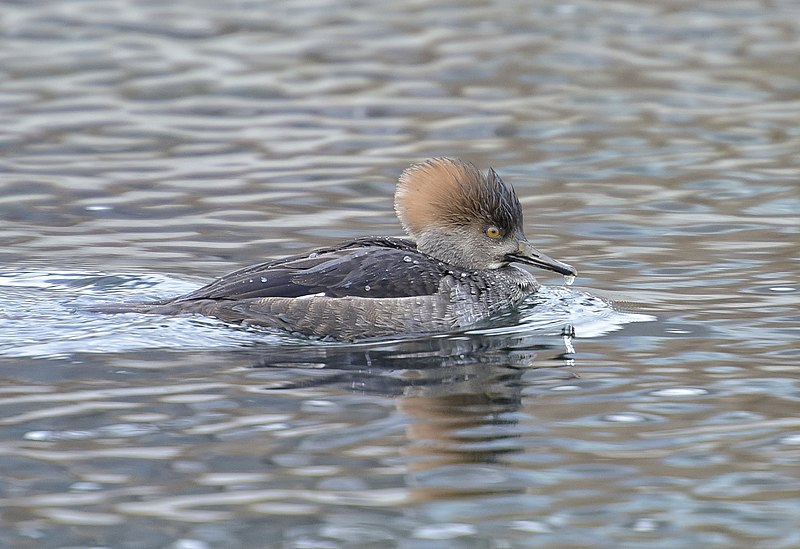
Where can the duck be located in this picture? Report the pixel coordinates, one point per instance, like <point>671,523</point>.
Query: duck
<point>459,268</point>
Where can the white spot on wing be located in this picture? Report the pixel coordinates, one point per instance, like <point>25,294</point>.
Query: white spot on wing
<point>309,296</point>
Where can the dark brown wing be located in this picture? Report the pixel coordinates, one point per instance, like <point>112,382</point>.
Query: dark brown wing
<point>368,267</point>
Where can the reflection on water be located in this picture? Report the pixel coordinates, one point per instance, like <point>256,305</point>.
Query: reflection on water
<point>148,147</point>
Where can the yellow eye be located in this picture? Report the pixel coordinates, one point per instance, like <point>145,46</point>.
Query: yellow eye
<point>493,232</point>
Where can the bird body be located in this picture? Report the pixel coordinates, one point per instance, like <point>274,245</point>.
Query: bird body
<point>456,273</point>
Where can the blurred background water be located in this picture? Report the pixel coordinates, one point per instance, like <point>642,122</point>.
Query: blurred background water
<point>147,147</point>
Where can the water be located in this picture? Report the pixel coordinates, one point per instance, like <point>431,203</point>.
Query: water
<point>147,148</point>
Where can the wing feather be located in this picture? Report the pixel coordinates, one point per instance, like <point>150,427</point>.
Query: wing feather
<point>367,267</point>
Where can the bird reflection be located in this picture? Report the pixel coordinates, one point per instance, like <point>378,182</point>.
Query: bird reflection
<point>461,395</point>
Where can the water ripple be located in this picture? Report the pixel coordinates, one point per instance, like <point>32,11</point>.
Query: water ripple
<point>148,147</point>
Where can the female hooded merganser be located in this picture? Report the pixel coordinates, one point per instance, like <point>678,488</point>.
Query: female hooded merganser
<point>456,273</point>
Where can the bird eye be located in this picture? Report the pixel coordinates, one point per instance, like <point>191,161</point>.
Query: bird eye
<point>493,232</point>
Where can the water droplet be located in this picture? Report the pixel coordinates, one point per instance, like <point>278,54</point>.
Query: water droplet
<point>463,275</point>
<point>367,288</point>
<point>407,258</point>
<point>569,279</point>
<point>263,279</point>
<point>568,348</point>
<point>415,262</point>
<point>312,255</point>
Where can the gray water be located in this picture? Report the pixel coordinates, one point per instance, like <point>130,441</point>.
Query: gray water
<point>148,147</point>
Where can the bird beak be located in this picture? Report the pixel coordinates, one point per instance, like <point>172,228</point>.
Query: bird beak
<point>529,255</point>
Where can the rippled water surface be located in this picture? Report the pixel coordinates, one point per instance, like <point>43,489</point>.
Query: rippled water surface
<point>147,147</point>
